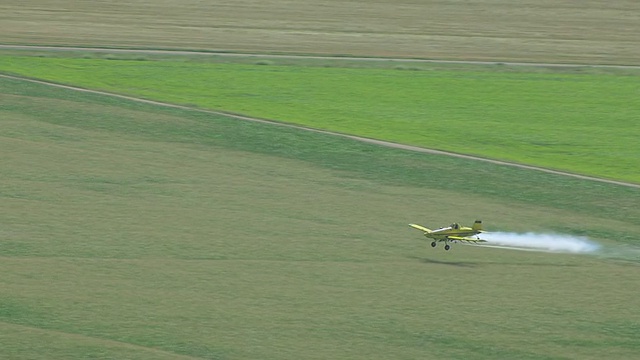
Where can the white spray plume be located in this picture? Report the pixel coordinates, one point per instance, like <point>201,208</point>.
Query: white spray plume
<point>542,242</point>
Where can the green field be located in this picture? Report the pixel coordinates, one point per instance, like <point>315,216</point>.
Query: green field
<point>134,231</point>
<point>137,231</point>
<point>580,121</point>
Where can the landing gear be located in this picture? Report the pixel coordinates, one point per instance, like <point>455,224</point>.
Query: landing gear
<point>447,247</point>
<point>433,244</point>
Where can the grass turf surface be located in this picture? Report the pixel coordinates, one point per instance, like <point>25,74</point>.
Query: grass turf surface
<point>131,231</point>
<point>581,122</point>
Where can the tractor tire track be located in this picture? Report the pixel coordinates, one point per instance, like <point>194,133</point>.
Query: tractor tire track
<point>315,57</point>
<point>108,342</point>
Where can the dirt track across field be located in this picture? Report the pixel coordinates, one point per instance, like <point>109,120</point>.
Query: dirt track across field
<point>353,137</point>
<point>277,56</point>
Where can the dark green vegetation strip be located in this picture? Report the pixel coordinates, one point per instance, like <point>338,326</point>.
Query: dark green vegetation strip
<point>580,121</point>
<point>132,231</point>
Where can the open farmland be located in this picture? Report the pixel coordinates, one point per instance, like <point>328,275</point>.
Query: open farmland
<point>132,231</point>
<point>135,231</point>
<point>588,32</point>
<point>567,119</point>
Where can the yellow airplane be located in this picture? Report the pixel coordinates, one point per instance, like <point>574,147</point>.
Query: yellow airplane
<point>452,233</point>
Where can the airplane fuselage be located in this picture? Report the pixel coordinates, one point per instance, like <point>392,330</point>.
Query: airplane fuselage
<point>445,232</point>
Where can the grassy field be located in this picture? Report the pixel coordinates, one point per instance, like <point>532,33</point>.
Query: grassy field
<point>581,121</point>
<point>590,32</point>
<point>131,231</point>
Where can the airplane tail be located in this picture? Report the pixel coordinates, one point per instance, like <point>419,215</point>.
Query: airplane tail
<point>477,226</point>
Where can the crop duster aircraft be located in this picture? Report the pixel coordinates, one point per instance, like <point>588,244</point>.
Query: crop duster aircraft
<point>452,233</point>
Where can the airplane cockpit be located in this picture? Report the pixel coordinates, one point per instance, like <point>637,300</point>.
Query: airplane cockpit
<point>455,226</point>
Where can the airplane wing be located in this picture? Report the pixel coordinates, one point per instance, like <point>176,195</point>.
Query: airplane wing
<point>466,239</point>
<point>419,227</point>
<point>442,229</point>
